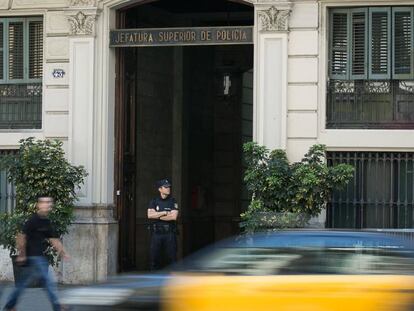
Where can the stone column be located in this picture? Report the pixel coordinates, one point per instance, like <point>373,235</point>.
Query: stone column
<point>270,66</point>
<point>92,239</point>
<point>81,96</point>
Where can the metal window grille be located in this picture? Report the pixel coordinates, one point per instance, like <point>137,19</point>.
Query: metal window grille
<point>380,195</point>
<point>21,106</point>
<point>370,104</point>
<point>7,190</point>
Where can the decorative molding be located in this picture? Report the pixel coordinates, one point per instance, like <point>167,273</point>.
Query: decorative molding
<point>82,24</point>
<point>273,19</point>
<point>82,3</point>
<point>274,2</point>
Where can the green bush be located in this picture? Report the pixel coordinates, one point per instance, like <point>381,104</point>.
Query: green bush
<point>287,195</point>
<point>40,167</point>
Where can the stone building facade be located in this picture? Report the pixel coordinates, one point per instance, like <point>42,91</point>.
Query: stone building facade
<point>292,79</point>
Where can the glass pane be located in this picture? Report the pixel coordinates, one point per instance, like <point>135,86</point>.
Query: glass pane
<point>35,49</point>
<point>16,52</point>
<point>377,191</point>
<point>7,190</point>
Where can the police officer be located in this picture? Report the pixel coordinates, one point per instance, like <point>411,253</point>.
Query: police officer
<point>163,213</point>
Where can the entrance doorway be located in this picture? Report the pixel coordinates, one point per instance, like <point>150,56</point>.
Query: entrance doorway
<point>183,113</point>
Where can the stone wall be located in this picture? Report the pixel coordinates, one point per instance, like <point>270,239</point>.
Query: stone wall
<point>303,52</point>
<point>92,244</point>
<point>6,268</point>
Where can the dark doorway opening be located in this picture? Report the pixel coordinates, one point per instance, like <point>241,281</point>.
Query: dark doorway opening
<point>182,113</point>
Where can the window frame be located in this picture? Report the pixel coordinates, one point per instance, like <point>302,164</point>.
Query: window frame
<point>379,76</point>
<point>394,75</point>
<point>370,10</point>
<point>26,22</point>
<point>330,60</point>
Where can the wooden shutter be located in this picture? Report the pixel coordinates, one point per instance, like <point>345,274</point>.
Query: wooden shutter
<point>359,48</point>
<point>380,43</point>
<point>339,48</point>
<point>35,32</point>
<point>402,43</point>
<point>2,54</point>
<point>16,50</point>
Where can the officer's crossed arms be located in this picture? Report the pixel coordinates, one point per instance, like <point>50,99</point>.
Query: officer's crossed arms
<point>163,215</point>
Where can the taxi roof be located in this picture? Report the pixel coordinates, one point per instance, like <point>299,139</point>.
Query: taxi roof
<point>319,238</point>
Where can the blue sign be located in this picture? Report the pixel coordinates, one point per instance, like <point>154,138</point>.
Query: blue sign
<point>58,73</point>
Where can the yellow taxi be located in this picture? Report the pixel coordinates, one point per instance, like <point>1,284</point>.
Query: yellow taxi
<point>292,270</point>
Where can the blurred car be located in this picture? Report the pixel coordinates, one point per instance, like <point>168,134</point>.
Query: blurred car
<point>291,270</point>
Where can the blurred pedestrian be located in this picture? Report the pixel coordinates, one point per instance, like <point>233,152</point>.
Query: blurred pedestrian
<point>31,246</point>
<point>163,214</point>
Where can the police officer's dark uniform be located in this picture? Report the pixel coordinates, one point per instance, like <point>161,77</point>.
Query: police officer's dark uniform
<point>163,233</point>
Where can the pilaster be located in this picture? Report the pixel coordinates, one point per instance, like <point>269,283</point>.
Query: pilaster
<point>271,59</point>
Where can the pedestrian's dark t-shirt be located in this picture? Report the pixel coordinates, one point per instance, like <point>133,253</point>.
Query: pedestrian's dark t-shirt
<point>37,230</point>
<point>159,205</point>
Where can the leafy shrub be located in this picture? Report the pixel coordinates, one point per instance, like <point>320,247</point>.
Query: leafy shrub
<point>40,167</point>
<point>287,195</point>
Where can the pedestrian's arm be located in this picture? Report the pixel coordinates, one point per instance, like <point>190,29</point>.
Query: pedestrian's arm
<point>21,245</point>
<point>153,214</point>
<point>58,246</point>
<point>171,216</point>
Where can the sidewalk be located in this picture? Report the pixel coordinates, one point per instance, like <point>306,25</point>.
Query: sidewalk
<point>33,299</point>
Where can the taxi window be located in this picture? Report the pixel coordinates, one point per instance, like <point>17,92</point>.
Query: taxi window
<point>265,261</point>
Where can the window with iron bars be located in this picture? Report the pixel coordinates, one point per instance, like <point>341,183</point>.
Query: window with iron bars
<point>21,70</point>
<point>380,195</point>
<point>7,190</point>
<point>371,68</point>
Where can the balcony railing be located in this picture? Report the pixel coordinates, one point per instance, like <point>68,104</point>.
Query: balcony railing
<point>21,106</point>
<point>370,104</point>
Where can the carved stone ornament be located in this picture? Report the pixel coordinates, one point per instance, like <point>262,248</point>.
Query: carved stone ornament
<point>83,3</point>
<point>81,24</point>
<point>273,19</point>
